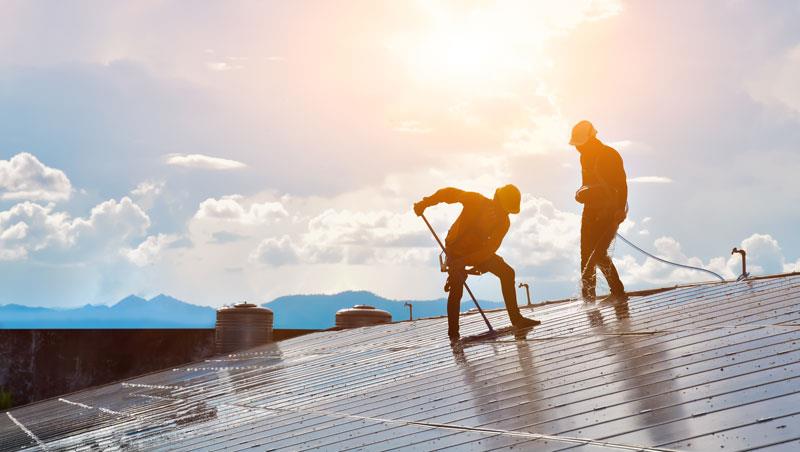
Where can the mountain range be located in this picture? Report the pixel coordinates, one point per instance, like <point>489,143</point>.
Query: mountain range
<point>163,311</point>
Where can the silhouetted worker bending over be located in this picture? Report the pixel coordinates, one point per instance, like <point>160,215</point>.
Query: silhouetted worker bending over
<point>472,241</point>
<point>604,196</point>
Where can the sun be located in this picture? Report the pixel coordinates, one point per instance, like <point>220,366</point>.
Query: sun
<point>477,46</point>
<point>478,49</point>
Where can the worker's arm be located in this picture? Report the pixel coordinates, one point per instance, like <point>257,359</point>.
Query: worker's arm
<point>449,195</point>
<point>491,246</point>
<point>619,180</point>
<point>619,183</point>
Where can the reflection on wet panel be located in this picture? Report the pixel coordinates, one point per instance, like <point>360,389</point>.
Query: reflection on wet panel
<point>692,368</point>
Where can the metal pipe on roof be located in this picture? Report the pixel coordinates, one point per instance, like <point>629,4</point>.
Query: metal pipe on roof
<point>744,274</point>
<point>527,292</point>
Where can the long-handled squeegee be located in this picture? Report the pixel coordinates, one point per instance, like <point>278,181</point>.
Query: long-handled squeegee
<point>491,331</point>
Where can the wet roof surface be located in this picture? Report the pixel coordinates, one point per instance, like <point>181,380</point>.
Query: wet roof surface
<point>710,367</point>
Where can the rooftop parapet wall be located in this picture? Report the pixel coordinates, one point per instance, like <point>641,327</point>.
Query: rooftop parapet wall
<point>39,364</point>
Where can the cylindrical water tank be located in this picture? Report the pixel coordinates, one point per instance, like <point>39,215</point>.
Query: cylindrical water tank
<point>241,326</point>
<point>361,315</point>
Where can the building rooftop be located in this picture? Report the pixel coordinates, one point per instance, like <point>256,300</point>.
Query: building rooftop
<point>704,367</point>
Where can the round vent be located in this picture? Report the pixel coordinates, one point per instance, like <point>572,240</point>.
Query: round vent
<point>361,315</point>
<point>242,326</point>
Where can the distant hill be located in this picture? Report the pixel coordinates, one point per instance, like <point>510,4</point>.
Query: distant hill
<point>319,311</point>
<point>291,312</point>
<point>131,312</point>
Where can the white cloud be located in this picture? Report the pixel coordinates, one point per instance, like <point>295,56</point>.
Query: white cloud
<point>231,209</point>
<point>275,251</point>
<point>200,161</point>
<point>543,241</point>
<point>24,177</point>
<point>650,180</point>
<point>652,273</point>
<point>148,188</point>
<point>28,228</point>
<point>363,237</point>
<point>147,192</point>
<point>764,256</point>
<point>149,251</point>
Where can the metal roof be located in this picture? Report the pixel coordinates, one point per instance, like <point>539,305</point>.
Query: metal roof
<point>707,367</point>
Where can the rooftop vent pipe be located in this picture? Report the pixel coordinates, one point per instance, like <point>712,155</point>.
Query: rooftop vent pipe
<point>527,291</point>
<point>744,274</point>
<point>242,326</point>
<point>361,315</point>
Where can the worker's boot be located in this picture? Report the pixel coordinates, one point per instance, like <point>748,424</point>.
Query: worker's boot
<point>524,322</point>
<point>452,330</point>
<point>614,299</point>
<point>588,295</point>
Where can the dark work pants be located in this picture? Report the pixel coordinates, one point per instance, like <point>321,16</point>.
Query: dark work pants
<point>457,275</point>
<point>597,232</point>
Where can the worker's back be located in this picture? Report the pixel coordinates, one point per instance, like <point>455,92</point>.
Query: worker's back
<point>479,218</point>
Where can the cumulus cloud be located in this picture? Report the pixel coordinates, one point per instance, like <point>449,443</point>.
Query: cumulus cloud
<point>650,272</point>
<point>764,256</point>
<point>544,240</point>
<point>149,251</point>
<point>650,180</point>
<point>351,237</point>
<point>363,237</point>
<point>221,237</point>
<point>24,177</point>
<point>148,188</point>
<point>231,209</point>
<point>200,161</point>
<point>29,228</point>
<point>275,251</point>
<point>147,192</point>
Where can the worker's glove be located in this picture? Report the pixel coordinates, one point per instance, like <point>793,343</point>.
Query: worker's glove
<point>419,207</point>
<point>582,195</point>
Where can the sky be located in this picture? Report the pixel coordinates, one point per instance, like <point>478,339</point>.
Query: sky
<point>244,150</point>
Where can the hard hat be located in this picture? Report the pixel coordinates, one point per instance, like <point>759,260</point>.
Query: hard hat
<point>582,132</point>
<point>509,197</point>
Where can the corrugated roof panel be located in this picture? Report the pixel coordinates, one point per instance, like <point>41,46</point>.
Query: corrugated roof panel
<point>692,368</point>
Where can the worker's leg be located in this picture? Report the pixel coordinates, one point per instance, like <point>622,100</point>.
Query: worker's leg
<point>498,267</point>
<point>456,276</point>
<point>604,261</point>
<point>588,270</point>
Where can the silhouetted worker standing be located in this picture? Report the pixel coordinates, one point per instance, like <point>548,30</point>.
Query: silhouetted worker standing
<point>604,195</point>
<point>472,241</point>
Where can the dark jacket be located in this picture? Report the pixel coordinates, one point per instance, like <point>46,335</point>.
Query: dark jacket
<point>603,173</point>
<point>479,230</point>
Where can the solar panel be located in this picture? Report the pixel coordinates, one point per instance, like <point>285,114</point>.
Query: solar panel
<point>695,368</point>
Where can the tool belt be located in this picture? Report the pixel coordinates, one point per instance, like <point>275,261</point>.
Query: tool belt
<point>473,270</point>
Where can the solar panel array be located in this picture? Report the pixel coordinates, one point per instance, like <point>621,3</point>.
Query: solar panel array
<point>708,367</point>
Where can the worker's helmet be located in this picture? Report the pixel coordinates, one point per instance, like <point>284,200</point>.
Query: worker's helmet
<point>582,132</point>
<point>509,197</point>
